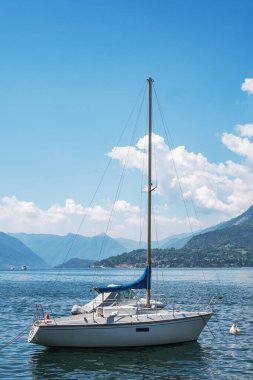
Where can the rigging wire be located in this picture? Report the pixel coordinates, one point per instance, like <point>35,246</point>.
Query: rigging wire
<point>142,186</point>
<point>121,181</point>
<point>154,211</point>
<point>142,215</point>
<point>168,138</point>
<point>167,134</point>
<point>101,179</point>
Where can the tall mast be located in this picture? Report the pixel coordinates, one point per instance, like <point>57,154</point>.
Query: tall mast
<point>150,81</point>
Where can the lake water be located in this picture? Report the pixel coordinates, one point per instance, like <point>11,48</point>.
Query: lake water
<point>216,355</point>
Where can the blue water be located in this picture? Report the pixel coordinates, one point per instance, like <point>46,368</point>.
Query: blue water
<point>216,355</point>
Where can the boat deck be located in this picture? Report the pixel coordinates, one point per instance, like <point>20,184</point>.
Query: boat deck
<point>124,318</point>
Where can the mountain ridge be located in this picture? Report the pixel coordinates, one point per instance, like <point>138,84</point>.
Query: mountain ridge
<point>57,249</point>
<point>237,231</point>
<point>226,244</point>
<point>13,253</point>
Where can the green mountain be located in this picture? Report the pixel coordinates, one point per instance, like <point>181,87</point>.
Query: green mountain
<point>180,241</point>
<point>13,253</point>
<point>226,244</point>
<point>236,232</point>
<point>55,249</point>
<point>75,263</point>
<point>245,217</point>
<point>226,256</point>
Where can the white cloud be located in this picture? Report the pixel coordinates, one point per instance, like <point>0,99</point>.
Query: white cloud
<point>245,130</point>
<point>247,85</point>
<point>224,189</point>
<point>239,145</point>
<point>124,206</point>
<point>69,208</point>
<point>22,216</point>
<point>98,213</point>
<point>129,156</point>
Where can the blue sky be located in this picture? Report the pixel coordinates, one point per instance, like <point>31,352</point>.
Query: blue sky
<point>70,72</point>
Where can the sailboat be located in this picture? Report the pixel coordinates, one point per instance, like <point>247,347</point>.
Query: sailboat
<point>117,317</point>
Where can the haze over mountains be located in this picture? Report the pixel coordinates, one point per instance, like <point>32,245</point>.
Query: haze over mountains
<point>45,250</point>
<point>56,249</point>
<point>13,253</point>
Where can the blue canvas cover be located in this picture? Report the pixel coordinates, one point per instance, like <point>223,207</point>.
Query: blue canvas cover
<point>143,282</point>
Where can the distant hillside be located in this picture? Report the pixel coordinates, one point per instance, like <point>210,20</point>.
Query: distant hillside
<point>180,241</point>
<point>243,218</point>
<point>175,241</point>
<point>13,253</point>
<point>75,263</point>
<point>130,245</point>
<point>227,256</point>
<point>55,249</point>
<point>226,244</point>
<point>234,236</point>
<point>237,232</point>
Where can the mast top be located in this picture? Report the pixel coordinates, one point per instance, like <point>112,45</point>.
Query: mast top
<point>149,79</point>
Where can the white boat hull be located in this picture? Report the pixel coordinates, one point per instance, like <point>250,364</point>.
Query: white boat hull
<point>146,330</point>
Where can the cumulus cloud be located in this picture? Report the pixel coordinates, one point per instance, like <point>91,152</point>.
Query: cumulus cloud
<point>221,190</point>
<point>23,216</point>
<point>225,188</point>
<point>125,206</point>
<point>239,145</point>
<point>247,85</point>
<point>245,130</point>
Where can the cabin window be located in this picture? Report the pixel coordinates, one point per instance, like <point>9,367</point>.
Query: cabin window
<point>142,329</point>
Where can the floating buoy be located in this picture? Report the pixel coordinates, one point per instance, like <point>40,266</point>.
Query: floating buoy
<point>234,329</point>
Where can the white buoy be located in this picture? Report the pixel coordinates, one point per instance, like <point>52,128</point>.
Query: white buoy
<point>234,329</point>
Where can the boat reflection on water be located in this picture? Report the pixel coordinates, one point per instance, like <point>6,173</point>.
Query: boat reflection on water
<point>164,362</point>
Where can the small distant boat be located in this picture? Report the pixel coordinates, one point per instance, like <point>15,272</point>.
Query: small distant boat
<point>24,267</point>
<point>118,317</point>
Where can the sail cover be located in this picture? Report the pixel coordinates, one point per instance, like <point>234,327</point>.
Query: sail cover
<point>143,282</point>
